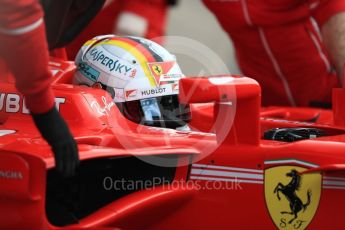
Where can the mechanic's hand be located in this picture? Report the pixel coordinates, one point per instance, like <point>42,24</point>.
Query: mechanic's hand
<point>55,131</point>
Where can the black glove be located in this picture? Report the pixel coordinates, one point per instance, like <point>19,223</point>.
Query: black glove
<point>55,131</point>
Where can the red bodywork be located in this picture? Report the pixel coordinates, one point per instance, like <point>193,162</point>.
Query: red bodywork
<point>219,172</point>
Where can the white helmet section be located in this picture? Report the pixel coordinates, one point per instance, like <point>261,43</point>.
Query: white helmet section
<point>126,64</point>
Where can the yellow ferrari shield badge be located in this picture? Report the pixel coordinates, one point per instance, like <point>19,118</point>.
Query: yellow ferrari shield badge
<point>157,69</point>
<point>292,199</point>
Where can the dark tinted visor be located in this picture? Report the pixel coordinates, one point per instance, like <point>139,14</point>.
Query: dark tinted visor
<point>163,111</point>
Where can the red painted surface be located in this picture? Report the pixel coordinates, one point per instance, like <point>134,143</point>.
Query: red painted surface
<point>102,131</point>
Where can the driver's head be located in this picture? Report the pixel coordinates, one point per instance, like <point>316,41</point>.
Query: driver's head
<point>141,76</point>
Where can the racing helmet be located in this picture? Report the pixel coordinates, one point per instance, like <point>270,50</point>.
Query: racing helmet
<point>141,76</point>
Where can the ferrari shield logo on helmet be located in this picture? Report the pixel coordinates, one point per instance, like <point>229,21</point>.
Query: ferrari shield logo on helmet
<point>159,69</point>
<point>292,199</point>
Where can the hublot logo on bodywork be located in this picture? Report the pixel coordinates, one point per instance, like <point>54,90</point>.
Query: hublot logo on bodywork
<point>8,174</point>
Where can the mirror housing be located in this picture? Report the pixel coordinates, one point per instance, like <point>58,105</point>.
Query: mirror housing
<point>338,104</point>
<point>237,103</point>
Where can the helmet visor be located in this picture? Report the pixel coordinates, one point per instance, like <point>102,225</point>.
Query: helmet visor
<point>165,111</point>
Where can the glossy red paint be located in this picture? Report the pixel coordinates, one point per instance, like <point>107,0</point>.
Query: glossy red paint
<point>236,165</point>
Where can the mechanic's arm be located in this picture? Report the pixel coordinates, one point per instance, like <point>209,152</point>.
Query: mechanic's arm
<point>333,33</point>
<point>330,17</point>
<point>24,48</point>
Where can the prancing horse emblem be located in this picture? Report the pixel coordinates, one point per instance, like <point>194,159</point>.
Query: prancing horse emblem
<point>292,198</point>
<point>157,69</point>
<point>289,192</point>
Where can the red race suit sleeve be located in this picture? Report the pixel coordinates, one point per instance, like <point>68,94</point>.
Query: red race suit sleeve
<point>323,10</point>
<point>24,49</point>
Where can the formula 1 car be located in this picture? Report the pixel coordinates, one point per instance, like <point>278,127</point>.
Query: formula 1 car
<point>241,167</point>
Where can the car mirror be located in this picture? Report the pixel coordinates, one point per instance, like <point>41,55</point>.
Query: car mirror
<point>237,101</point>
